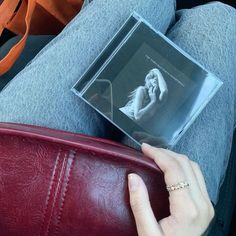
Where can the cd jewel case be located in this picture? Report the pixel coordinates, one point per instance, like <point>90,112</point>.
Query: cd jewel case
<point>147,86</point>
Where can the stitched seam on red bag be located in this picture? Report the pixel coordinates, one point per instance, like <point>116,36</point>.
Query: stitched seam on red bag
<point>59,188</point>
<point>49,207</point>
<point>70,163</point>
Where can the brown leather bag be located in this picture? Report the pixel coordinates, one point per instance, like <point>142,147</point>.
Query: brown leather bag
<point>24,17</point>
<point>59,183</point>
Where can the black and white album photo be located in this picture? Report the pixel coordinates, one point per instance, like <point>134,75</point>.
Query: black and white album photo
<point>148,88</point>
<point>144,92</point>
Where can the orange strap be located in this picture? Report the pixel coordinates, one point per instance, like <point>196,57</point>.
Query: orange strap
<point>61,10</point>
<point>7,62</point>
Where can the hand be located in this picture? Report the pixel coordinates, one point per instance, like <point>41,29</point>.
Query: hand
<point>144,137</point>
<point>190,208</point>
<point>152,93</point>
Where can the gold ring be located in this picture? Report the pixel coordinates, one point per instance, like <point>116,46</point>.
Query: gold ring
<point>177,186</point>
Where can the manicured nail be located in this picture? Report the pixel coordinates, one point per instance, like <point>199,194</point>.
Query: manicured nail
<point>133,182</point>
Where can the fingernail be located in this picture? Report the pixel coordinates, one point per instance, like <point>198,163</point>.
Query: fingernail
<point>133,182</point>
<point>145,145</point>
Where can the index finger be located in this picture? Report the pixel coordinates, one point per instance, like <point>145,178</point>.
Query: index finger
<point>180,200</point>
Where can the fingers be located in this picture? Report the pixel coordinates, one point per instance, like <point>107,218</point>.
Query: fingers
<point>194,169</point>
<point>191,177</point>
<point>180,200</point>
<point>150,92</point>
<point>177,168</point>
<point>154,90</point>
<point>172,170</point>
<point>190,207</point>
<point>146,138</point>
<point>145,220</point>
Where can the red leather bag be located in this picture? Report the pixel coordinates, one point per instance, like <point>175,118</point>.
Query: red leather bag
<point>59,183</point>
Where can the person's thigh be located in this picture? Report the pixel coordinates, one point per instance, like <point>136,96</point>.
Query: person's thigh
<point>208,34</point>
<point>41,93</point>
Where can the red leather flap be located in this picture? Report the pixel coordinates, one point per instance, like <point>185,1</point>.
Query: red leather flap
<point>59,183</point>
<point>94,144</point>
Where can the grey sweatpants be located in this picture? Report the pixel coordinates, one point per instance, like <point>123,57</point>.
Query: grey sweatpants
<point>40,94</point>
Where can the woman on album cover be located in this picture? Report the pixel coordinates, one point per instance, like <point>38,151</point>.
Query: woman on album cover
<point>145,100</point>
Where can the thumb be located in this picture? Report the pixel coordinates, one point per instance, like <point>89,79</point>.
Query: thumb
<point>145,220</point>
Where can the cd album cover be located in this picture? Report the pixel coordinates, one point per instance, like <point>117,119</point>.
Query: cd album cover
<point>147,86</point>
